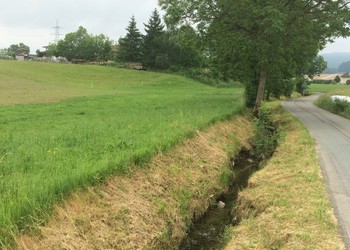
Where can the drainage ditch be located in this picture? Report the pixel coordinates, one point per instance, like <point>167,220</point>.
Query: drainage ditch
<point>208,231</point>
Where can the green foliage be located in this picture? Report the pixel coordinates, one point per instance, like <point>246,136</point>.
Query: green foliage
<point>266,134</point>
<point>83,46</point>
<point>322,81</point>
<point>255,41</point>
<point>48,150</point>
<point>337,79</point>
<point>301,85</point>
<point>250,93</point>
<point>337,106</point>
<point>279,88</point>
<point>315,67</point>
<point>153,51</point>
<point>347,82</point>
<point>130,46</point>
<point>4,54</point>
<point>15,49</point>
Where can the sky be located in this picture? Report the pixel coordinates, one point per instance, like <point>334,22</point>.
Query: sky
<point>31,21</point>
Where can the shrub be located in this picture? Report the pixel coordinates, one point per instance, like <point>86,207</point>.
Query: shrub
<point>266,134</point>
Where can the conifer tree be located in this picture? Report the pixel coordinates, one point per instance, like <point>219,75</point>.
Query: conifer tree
<point>153,46</point>
<point>130,45</point>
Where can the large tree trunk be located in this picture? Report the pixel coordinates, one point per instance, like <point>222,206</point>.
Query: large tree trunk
<point>261,90</point>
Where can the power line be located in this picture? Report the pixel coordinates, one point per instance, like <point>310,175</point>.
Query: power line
<point>57,32</point>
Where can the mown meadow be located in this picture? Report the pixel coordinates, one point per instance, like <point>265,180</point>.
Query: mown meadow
<point>68,126</point>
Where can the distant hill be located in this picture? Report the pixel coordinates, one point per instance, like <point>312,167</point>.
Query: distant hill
<point>334,60</point>
<point>344,67</point>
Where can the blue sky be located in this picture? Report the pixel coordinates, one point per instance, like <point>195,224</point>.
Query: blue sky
<point>32,21</point>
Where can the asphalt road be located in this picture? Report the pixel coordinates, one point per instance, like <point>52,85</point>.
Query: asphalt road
<point>332,135</point>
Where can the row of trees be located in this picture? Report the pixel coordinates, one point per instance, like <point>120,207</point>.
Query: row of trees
<point>81,45</point>
<point>262,43</point>
<point>157,49</point>
<point>160,48</point>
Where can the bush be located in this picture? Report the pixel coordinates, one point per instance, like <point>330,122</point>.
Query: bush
<point>266,134</point>
<point>322,81</point>
<point>338,106</point>
<point>301,85</point>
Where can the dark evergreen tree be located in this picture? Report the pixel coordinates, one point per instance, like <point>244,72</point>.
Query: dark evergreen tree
<point>130,46</point>
<point>153,41</point>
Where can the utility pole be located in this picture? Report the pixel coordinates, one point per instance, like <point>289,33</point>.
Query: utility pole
<point>57,32</point>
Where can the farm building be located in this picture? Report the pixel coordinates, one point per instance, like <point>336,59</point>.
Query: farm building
<point>21,56</point>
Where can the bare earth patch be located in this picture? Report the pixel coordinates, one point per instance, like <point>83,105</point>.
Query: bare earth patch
<point>152,208</point>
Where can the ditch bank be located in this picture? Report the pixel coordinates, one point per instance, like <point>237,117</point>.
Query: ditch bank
<point>154,207</point>
<point>208,232</point>
<point>284,206</point>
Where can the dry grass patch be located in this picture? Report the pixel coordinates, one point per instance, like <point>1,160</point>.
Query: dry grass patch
<point>285,205</point>
<point>152,208</point>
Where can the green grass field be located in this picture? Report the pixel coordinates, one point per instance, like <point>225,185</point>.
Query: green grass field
<point>68,126</point>
<point>339,89</point>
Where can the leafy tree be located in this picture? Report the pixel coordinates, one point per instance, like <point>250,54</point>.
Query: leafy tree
<point>153,41</point>
<point>82,45</point>
<point>337,79</point>
<point>315,67</point>
<point>130,46</point>
<point>76,45</point>
<point>258,42</point>
<point>15,49</point>
<point>52,50</point>
<point>185,49</point>
<point>103,48</point>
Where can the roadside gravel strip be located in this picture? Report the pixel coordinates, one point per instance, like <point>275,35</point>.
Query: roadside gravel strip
<point>332,135</point>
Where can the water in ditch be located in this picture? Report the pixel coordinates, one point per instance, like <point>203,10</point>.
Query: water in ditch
<point>207,233</point>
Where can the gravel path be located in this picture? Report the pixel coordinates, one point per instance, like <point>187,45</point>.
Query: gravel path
<point>332,135</point>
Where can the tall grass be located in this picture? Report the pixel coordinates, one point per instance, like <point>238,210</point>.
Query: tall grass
<point>338,107</point>
<point>47,150</point>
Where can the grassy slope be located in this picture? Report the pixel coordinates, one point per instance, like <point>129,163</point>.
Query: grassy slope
<point>117,117</point>
<point>285,205</point>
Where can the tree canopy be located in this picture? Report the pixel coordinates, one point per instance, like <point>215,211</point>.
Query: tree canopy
<point>153,41</point>
<point>262,42</point>
<point>130,46</point>
<point>15,49</point>
<point>82,45</point>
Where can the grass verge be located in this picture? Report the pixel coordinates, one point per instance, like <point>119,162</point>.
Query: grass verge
<point>338,107</point>
<point>285,205</point>
<point>153,207</point>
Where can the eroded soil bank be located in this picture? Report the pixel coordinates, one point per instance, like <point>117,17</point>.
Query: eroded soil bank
<point>154,207</point>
